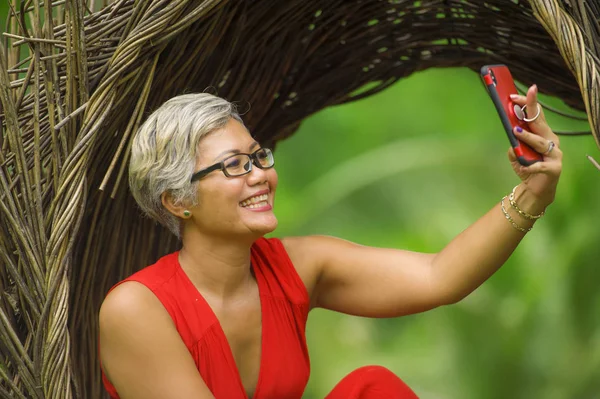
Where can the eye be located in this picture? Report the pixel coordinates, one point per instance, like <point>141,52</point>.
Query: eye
<point>233,163</point>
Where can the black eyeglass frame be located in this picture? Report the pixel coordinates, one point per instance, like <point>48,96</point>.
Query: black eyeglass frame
<point>221,165</point>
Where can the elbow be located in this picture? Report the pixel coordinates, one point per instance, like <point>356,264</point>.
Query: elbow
<point>451,296</point>
<point>444,294</point>
<point>441,299</point>
<point>452,299</point>
<point>444,290</point>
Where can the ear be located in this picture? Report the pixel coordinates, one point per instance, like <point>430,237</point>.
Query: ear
<point>173,208</point>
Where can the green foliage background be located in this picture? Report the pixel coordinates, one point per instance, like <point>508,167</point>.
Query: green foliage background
<point>411,168</point>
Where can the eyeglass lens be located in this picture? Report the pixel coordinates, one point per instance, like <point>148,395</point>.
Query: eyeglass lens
<point>240,164</point>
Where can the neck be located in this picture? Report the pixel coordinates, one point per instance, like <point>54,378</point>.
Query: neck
<point>217,266</point>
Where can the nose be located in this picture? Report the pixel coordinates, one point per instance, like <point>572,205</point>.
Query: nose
<point>257,175</point>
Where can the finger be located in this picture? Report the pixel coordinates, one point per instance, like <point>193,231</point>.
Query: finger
<point>529,99</point>
<point>548,168</point>
<point>511,155</point>
<point>532,101</point>
<point>539,125</point>
<point>518,99</point>
<point>533,108</point>
<point>539,144</point>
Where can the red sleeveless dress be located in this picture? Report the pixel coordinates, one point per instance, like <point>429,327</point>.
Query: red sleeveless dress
<point>284,363</point>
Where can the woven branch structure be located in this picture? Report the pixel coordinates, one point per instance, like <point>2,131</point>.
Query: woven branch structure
<point>77,79</point>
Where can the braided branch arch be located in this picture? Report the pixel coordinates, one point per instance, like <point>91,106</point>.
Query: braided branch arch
<point>77,84</point>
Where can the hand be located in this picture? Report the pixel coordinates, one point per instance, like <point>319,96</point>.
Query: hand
<point>540,178</point>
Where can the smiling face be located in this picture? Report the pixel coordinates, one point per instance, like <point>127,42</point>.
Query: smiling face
<point>233,206</point>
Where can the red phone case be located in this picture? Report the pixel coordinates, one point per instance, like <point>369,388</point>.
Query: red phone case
<point>500,86</point>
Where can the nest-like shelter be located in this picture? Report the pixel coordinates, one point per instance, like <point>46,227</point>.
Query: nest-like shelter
<point>78,77</point>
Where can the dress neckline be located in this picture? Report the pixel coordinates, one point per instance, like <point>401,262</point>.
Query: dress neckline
<point>219,328</point>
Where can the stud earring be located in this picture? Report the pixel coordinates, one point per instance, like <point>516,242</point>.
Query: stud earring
<point>187,213</point>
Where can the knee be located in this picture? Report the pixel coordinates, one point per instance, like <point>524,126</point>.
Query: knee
<point>376,372</point>
<point>380,382</point>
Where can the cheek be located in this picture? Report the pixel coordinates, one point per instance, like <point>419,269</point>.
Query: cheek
<point>216,200</point>
<point>273,179</point>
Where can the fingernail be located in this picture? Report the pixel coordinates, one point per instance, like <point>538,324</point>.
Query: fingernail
<point>513,96</point>
<point>519,129</point>
<point>535,89</point>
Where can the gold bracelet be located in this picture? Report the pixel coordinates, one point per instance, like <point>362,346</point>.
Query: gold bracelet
<point>511,199</point>
<point>507,216</point>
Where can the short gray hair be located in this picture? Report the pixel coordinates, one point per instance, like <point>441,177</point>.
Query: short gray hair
<point>164,152</point>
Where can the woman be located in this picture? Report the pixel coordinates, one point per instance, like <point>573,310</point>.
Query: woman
<point>224,317</point>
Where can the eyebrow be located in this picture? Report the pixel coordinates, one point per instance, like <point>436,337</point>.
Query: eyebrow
<point>236,151</point>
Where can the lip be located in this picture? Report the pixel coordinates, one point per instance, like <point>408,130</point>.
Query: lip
<point>265,208</point>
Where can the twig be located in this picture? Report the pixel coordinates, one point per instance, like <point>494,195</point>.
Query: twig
<point>593,161</point>
<point>32,40</point>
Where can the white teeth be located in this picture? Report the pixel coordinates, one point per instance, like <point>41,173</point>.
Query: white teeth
<point>258,205</point>
<point>259,200</point>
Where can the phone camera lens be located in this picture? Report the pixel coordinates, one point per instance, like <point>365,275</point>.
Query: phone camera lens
<point>493,78</point>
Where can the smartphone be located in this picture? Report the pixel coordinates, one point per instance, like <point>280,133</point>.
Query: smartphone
<point>500,85</point>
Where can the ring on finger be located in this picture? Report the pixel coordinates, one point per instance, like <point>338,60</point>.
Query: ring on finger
<point>551,146</point>
<point>528,120</point>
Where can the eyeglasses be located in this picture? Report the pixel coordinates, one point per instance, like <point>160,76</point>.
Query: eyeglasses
<point>240,164</point>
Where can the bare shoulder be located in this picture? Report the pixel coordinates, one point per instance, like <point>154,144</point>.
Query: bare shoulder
<point>141,351</point>
<point>313,250</point>
<point>125,303</point>
<point>130,291</point>
<point>308,254</point>
<point>128,309</point>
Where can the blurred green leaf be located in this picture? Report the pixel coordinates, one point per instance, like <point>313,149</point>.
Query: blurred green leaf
<point>411,168</point>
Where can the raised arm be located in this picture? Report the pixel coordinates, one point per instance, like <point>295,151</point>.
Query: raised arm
<point>380,282</point>
<point>142,353</point>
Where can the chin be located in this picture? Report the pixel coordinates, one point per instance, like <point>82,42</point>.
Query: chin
<point>266,227</point>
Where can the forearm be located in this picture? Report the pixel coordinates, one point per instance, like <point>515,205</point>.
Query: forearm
<point>475,254</point>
